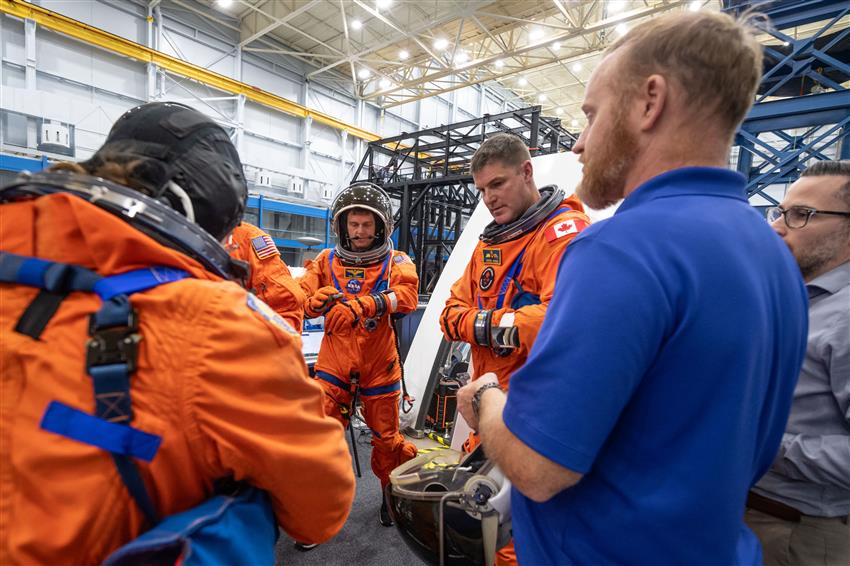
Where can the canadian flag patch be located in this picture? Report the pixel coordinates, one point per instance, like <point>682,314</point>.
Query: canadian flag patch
<point>565,228</point>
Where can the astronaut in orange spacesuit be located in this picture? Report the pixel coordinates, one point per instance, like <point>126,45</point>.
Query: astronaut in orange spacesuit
<point>269,277</point>
<point>498,304</point>
<point>121,328</point>
<point>360,287</point>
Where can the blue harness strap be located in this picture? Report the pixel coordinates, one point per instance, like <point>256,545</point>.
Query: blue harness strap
<point>382,284</point>
<point>364,391</point>
<point>56,281</point>
<point>111,356</point>
<point>380,390</point>
<point>513,275</point>
<point>83,427</point>
<point>333,380</point>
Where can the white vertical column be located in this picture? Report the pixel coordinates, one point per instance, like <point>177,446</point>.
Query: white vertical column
<point>361,118</point>
<point>240,123</point>
<point>30,72</point>
<point>29,46</point>
<point>157,20</point>
<point>453,108</point>
<point>306,129</point>
<point>240,103</point>
<point>343,145</point>
<point>151,68</point>
<point>482,98</point>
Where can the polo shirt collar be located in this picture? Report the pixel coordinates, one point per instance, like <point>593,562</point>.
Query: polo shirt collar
<point>708,181</point>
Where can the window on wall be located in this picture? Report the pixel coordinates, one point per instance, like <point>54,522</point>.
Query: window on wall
<point>292,226</point>
<point>250,217</point>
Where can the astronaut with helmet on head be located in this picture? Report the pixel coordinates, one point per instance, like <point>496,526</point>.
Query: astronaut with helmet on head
<point>185,380</point>
<point>361,286</point>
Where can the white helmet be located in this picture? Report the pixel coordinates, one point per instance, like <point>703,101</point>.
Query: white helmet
<point>366,196</point>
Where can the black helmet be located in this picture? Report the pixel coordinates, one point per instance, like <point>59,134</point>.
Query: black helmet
<point>370,197</point>
<point>451,508</point>
<point>186,160</point>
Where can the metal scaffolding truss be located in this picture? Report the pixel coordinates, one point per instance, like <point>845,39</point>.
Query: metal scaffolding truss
<point>427,174</point>
<point>780,136</point>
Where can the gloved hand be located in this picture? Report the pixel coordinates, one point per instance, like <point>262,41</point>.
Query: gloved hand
<point>341,319</point>
<point>346,315</point>
<point>321,301</point>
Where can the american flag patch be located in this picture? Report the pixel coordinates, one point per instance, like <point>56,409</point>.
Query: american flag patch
<point>264,246</point>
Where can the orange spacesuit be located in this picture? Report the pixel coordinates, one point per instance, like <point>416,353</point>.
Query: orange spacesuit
<point>269,277</point>
<point>514,279</point>
<point>360,343</point>
<point>137,383</point>
<point>223,385</point>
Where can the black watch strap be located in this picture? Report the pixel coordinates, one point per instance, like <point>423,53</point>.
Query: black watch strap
<point>476,399</point>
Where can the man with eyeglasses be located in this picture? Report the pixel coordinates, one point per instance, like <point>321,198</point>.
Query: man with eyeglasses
<point>800,508</point>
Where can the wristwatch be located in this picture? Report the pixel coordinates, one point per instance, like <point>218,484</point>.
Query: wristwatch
<point>476,399</point>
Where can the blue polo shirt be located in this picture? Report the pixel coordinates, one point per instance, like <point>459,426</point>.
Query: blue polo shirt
<point>664,373</point>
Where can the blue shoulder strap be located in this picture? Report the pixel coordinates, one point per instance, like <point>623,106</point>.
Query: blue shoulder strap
<point>331,268</point>
<point>111,356</point>
<point>380,285</point>
<point>516,267</point>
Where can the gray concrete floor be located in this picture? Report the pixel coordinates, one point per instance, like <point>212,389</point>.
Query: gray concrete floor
<point>363,540</point>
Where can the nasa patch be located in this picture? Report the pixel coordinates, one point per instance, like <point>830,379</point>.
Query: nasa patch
<point>487,278</point>
<point>353,286</point>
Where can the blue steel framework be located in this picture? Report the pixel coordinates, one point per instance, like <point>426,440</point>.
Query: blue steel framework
<point>806,126</point>
<point>256,204</point>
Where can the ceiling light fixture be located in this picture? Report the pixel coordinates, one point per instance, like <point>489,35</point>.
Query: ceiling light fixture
<point>356,24</point>
<point>385,84</point>
<point>364,74</point>
<point>403,54</point>
<point>500,63</point>
<point>695,6</point>
<point>576,67</point>
<point>542,98</point>
<point>556,45</point>
<point>621,29</point>
<point>573,122</point>
<point>522,81</point>
<point>383,4</point>
<point>441,44</point>
<point>461,57</point>
<point>535,34</point>
<point>225,3</point>
<point>559,111</point>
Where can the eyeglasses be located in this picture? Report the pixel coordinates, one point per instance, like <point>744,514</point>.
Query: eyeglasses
<point>798,216</point>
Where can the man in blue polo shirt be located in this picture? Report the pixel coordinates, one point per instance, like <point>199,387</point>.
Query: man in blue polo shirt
<point>659,386</point>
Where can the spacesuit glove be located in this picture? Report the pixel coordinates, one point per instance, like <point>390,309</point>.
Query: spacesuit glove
<point>341,319</point>
<point>321,301</point>
<point>369,305</point>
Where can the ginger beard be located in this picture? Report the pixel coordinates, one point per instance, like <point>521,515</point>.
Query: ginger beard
<point>607,165</point>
